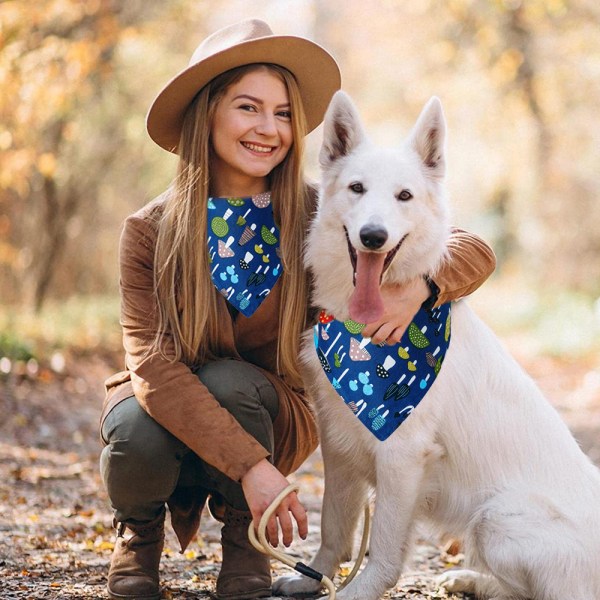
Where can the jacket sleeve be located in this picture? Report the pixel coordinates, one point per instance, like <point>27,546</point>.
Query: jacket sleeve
<point>469,262</point>
<point>168,390</point>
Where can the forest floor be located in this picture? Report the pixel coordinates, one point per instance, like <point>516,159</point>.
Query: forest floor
<point>56,536</point>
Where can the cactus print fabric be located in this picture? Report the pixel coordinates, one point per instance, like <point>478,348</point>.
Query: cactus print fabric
<point>383,384</point>
<point>243,246</point>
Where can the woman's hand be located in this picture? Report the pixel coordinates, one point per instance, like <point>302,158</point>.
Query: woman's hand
<point>401,304</point>
<point>261,485</point>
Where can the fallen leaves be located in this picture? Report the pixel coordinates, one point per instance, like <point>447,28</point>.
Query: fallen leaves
<point>56,534</point>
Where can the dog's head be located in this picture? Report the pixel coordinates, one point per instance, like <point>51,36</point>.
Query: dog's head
<point>388,204</point>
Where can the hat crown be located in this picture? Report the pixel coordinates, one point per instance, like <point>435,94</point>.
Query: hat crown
<point>228,37</point>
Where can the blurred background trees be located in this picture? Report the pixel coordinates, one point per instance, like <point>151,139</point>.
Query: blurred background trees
<point>519,81</point>
<point>64,110</point>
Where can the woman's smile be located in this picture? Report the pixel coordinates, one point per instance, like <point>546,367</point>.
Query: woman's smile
<point>254,147</point>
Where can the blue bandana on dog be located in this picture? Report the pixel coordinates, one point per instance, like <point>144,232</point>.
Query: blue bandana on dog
<point>383,384</point>
<point>243,246</point>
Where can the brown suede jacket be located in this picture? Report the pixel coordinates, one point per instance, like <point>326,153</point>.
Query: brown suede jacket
<point>175,397</point>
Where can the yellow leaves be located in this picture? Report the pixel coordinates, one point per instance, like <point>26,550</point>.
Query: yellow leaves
<point>556,7</point>
<point>5,139</point>
<point>81,58</point>
<point>14,169</point>
<point>541,8</point>
<point>99,528</point>
<point>105,545</point>
<point>444,50</point>
<point>99,545</point>
<point>459,6</point>
<point>9,255</point>
<point>487,36</point>
<point>507,66</point>
<point>11,16</point>
<point>51,51</point>
<point>46,164</point>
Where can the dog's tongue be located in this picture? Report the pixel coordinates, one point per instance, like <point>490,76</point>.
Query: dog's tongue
<point>366,304</point>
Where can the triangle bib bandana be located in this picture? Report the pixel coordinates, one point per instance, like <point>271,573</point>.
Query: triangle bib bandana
<point>383,384</point>
<point>243,247</point>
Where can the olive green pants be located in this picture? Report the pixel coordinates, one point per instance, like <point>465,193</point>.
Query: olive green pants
<point>142,463</point>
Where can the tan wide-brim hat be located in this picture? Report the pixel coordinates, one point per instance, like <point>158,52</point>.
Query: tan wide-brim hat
<point>244,43</point>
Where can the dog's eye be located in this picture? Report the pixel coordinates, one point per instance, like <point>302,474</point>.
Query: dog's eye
<point>404,195</point>
<point>357,187</point>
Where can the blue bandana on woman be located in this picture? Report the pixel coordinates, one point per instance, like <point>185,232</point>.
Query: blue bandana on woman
<point>383,384</point>
<point>243,246</point>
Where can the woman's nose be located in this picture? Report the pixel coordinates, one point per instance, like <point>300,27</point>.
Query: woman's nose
<point>266,125</point>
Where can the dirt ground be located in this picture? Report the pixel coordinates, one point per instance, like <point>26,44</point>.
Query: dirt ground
<point>55,524</point>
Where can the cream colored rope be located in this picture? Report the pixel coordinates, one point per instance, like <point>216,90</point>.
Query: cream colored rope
<point>262,545</point>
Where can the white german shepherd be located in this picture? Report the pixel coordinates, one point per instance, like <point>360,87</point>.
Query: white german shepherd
<point>484,456</point>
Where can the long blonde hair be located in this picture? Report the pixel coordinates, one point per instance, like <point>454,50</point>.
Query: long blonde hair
<point>186,297</point>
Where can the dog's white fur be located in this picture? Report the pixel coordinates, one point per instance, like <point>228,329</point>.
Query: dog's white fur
<point>484,456</point>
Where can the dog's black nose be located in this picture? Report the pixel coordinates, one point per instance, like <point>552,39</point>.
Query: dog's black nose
<point>373,237</point>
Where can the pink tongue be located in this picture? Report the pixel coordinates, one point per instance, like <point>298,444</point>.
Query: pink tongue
<point>366,304</point>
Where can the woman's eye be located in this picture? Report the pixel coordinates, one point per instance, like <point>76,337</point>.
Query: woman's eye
<point>404,195</point>
<point>248,107</point>
<point>286,114</point>
<point>357,187</point>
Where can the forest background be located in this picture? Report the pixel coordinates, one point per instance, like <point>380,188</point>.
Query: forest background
<point>520,84</point>
<point>519,81</point>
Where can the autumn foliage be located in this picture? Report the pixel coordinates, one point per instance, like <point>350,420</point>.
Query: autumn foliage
<point>518,80</point>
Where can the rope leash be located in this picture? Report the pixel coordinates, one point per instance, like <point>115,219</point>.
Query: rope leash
<point>262,545</point>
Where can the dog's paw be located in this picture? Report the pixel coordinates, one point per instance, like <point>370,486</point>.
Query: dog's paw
<point>458,580</point>
<point>295,585</point>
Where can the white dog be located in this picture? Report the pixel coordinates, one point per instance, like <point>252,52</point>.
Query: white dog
<point>484,456</point>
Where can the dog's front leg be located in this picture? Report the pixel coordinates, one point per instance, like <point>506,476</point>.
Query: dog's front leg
<point>344,498</point>
<point>400,474</point>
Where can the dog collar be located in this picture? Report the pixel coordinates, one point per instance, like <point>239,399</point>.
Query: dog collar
<point>243,247</point>
<point>383,384</point>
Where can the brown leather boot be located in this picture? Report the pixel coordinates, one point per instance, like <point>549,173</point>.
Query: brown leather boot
<point>133,573</point>
<point>245,572</point>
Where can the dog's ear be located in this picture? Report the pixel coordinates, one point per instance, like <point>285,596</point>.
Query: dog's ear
<point>428,138</point>
<point>343,129</point>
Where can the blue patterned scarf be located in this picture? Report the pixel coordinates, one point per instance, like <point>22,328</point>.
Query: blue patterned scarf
<point>383,384</point>
<point>243,246</point>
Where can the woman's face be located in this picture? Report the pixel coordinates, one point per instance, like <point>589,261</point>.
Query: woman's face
<point>251,134</point>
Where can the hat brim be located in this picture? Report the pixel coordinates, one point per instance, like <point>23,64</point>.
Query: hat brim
<point>315,70</point>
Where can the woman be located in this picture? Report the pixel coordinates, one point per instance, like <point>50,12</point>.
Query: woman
<point>214,299</point>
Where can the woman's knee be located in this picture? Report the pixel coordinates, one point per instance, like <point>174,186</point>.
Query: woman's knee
<point>240,388</point>
<point>131,432</point>
<point>141,461</point>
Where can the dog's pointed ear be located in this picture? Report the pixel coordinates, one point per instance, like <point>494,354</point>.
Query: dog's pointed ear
<point>428,138</point>
<point>342,131</point>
